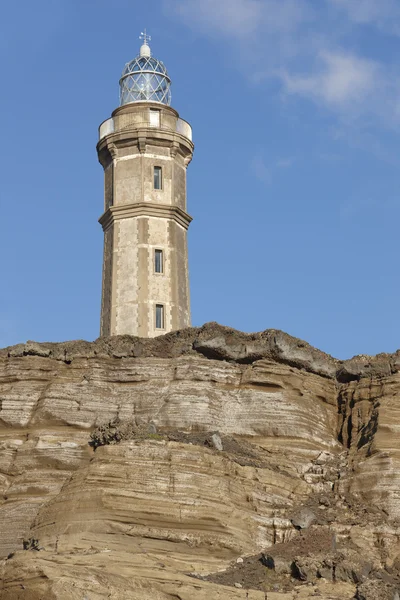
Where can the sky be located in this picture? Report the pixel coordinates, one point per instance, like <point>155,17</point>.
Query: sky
<point>294,185</point>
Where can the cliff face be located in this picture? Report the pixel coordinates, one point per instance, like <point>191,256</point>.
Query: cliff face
<point>296,496</point>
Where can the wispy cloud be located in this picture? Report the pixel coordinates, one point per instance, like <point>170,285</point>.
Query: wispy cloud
<point>384,14</point>
<point>265,171</point>
<point>239,18</point>
<point>309,48</point>
<point>263,32</point>
<point>339,79</point>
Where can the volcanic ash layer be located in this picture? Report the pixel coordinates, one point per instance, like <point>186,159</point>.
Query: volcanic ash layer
<point>204,464</point>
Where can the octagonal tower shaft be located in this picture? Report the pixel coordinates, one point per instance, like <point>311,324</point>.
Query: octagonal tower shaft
<point>145,149</point>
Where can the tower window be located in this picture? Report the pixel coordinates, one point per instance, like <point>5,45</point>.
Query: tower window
<point>157,178</point>
<point>160,317</point>
<point>154,117</point>
<point>158,261</point>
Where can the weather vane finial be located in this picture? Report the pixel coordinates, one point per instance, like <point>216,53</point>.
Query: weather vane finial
<point>146,38</point>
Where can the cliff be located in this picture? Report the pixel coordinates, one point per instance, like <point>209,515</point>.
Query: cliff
<point>204,464</point>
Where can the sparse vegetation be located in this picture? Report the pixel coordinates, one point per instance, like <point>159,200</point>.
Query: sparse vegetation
<point>116,431</point>
<point>31,544</point>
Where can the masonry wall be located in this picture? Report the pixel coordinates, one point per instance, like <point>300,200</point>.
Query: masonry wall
<point>139,220</point>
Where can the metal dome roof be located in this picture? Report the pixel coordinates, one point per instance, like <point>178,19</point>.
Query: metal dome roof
<point>145,79</point>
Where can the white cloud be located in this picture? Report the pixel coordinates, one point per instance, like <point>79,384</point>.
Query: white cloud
<point>241,18</point>
<point>284,163</point>
<point>261,170</point>
<point>340,80</point>
<point>265,172</point>
<point>383,14</point>
<point>231,17</point>
<point>309,48</point>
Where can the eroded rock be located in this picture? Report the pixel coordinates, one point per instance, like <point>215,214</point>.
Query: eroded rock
<point>303,518</point>
<point>166,507</point>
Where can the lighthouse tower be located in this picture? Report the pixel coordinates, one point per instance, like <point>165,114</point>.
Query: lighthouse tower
<point>145,149</point>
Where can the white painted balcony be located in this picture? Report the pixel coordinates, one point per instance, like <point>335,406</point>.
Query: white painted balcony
<point>182,126</point>
<point>106,128</point>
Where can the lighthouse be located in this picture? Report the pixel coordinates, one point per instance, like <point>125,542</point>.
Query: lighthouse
<point>145,149</point>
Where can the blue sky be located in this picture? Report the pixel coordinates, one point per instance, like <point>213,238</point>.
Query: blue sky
<point>294,187</point>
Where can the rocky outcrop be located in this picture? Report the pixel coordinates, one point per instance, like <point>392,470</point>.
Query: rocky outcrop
<point>206,463</point>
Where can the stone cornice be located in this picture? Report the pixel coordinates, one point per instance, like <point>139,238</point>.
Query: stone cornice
<point>145,209</point>
<point>140,137</point>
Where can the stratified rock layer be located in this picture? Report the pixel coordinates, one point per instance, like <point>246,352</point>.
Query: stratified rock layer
<point>307,442</point>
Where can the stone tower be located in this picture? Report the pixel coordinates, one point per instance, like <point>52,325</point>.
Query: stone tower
<point>145,149</point>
